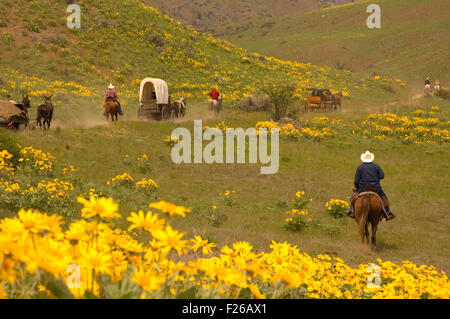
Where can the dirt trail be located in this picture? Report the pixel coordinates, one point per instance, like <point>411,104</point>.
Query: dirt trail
<point>86,122</point>
<point>94,119</point>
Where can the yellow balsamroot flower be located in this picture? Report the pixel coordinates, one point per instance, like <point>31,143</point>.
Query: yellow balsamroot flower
<point>122,179</point>
<point>256,292</point>
<point>148,184</point>
<point>12,228</point>
<point>154,253</point>
<point>51,255</point>
<point>100,261</point>
<point>42,288</point>
<point>77,232</point>
<point>128,244</point>
<point>203,244</point>
<point>149,222</point>
<point>69,169</point>
<point>295,212</point>
<point>299,194</point>
<point>35,221</point>
<point>170,208</point>
<point>2,293</point>
<point>9,187</point>
<point>169,239</point>
<point>36,159</point>
<point>5,164</point>
<point>7,271</point>
<point>242,247</point>
<point>149,280</point>
<point>171,140</point>
<point>101,207</point>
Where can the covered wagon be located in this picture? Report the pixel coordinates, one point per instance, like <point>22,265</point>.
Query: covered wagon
<point>12,115</point>
<point>154,101</point>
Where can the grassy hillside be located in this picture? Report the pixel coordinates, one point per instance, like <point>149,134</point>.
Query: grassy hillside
<point>416,181</point>
<point>412,43</point>
<point>124,41</point>
<point>207,14</point>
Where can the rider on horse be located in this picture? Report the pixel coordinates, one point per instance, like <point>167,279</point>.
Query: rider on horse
<point>437,85</point>
<point>427,81</point>
<point>9,98</point>
<point>368,175</point>
<point>112,95</point>
<point>214,94</point>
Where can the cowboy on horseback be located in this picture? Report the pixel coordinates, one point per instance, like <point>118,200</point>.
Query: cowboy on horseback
<point>9,98</point>
<point>214,94</point>
<point>111,95</point>
<point>368,175</point>
<point>427,85</point>
<point>437,85</point>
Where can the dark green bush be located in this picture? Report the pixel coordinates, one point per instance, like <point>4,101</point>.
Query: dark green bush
<point>7,142</point>
<point>443,93</point>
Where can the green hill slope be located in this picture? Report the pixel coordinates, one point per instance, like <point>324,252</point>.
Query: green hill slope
<point>124,41</point>
<point>412,43</point>
<point>206,14</point>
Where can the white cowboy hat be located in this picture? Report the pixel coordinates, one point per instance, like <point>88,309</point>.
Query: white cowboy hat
<point>367,157</point>
<point>111,86</point>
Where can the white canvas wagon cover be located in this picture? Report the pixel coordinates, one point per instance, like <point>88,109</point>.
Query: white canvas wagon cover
<point>8,110</point>
<point>161,90</point>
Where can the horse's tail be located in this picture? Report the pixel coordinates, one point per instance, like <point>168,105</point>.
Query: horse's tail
<point>365,207</point>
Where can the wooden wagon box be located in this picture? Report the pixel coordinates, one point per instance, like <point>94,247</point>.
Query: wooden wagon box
<point>314,101</point>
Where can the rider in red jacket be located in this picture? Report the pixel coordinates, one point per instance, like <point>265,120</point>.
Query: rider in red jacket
<point>214,94</point>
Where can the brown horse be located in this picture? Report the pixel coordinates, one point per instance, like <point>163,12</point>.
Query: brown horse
<point>368,210</point>
<point>45,113</point>
<point>178,108</point>
<point>337,100</point>
<point>111,108</point>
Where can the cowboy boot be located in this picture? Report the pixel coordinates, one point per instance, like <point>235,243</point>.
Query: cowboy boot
<point>389,215</point>
<point>351,212</point>
<point>120,111</point>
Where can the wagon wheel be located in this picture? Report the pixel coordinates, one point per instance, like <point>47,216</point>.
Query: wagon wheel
<point>165,112</point>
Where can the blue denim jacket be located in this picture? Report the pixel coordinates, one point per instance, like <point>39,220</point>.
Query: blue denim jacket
<point>368,175</point>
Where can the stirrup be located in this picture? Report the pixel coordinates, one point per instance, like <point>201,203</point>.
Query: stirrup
<point>390,216</point>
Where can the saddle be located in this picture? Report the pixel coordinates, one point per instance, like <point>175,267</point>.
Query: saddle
<point>109,99</point>
<point>369,189</point>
